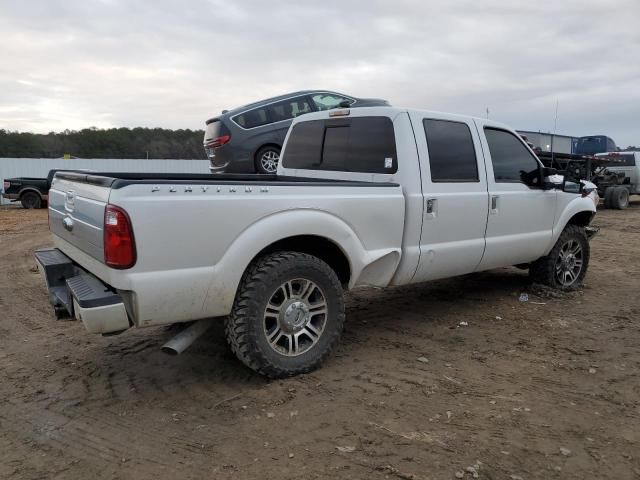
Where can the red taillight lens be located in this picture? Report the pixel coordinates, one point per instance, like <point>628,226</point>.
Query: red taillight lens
<point>217,142</point>
<point>119,244</point>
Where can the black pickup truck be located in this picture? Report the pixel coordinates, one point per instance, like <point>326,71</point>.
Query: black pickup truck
<point>31,192</point>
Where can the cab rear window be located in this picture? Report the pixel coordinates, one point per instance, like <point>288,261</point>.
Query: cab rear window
<point>361,144</point>
<point>623,160</point>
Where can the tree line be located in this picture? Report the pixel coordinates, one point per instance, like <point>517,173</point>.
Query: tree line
<point>105,143</point>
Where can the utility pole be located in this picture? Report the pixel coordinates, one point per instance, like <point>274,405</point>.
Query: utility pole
<point>487,113</point>
<point>555,127</point>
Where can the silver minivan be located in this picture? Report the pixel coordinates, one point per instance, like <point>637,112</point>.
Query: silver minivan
<point>248,139</point>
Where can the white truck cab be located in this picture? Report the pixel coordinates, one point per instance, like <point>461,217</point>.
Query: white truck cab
<point>369,196</point>
<point>624,169</point>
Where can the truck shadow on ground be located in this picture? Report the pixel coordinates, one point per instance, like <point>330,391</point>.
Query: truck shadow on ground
<point>132,364</point>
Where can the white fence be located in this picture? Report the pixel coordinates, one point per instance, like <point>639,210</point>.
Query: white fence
<point>40,167</point>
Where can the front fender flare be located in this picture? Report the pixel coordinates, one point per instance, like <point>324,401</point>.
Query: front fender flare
<point>575,206</point>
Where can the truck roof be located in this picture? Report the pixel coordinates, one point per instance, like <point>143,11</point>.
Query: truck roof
<point>393,112</point>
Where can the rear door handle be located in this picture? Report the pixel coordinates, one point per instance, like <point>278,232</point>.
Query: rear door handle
<point>431,207</point>
<point>494,204</point>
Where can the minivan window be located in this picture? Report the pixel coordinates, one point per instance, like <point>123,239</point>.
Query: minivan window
<point>288,109</point>
<point>327,101</point>
<point>452,156</point>
<point>364,144</point>
<point>252,118</point>
<point>512,161</point>
<point>275,112</point>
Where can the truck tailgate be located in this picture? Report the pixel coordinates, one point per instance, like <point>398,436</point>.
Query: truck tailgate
<point>76,214</point>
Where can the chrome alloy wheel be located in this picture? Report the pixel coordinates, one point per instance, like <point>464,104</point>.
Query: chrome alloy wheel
<point>569,263</point>
<point>295,317</point>
<point>269,161</point>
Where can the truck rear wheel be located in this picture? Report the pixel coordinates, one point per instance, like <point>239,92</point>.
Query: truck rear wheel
<point>288,314</point>
<point>619,198</point>
<point>31,200</point>
<point>607,197</point>
<point>566,265</point>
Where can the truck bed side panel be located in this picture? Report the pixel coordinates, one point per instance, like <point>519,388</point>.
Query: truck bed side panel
<point>194,241</point>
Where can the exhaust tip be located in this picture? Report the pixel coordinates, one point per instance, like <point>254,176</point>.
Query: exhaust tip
<point>186,337</point>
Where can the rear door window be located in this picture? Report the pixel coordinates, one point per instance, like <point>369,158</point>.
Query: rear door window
<point>452,156</point>
<point>512,162</point>
<point>362,144</point>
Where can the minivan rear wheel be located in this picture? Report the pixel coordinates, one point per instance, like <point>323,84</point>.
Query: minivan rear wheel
<point>267,159</point>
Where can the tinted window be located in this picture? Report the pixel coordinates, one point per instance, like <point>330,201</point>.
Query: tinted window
<point>364,144</point>
<point>452,157</point>
<point>623,160</point>
<point>288,109</point>
<point>327,101</point>
<point>336,147</point>
<point>252,118</point>
<point>512,162</point>
<point>276,112</point>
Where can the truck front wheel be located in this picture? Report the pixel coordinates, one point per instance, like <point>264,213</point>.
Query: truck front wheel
<point>31,200</point>
<point>288,314</point>
<point>566,265</point>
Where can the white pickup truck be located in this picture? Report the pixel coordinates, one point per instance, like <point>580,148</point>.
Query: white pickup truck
<point>369,196</point>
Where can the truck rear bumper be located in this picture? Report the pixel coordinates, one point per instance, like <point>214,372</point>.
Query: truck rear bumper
<point>77,293</point>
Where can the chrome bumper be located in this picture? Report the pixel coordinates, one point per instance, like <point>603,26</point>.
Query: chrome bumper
<point>74,292</point>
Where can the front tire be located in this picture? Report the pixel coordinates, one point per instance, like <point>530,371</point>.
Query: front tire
<point>288,314</point>
<point>267,160</point>
<point>31,200</point>
<point>566,265</point>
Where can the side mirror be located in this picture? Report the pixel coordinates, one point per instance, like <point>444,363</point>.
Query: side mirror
<point>547,182</point>
<point>571,185</point>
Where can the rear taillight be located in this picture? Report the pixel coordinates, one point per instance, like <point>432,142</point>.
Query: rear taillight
<point>6,185</point>
<point>217,142</point>
<point>119,244</point>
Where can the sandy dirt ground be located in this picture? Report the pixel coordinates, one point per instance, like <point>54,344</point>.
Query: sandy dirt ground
<point>450,379</point>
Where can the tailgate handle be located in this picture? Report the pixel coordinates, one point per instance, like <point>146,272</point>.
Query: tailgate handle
<point>68,223</point>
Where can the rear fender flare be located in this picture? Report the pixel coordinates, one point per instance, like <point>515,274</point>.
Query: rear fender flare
<point>30,189</point>
<point>280,226</point>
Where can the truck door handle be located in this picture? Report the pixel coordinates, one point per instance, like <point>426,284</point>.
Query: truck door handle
<point>494,204</point>
<point>431,207</point>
